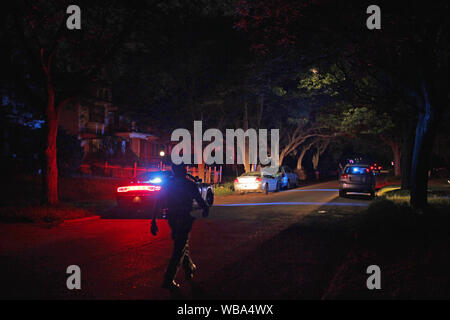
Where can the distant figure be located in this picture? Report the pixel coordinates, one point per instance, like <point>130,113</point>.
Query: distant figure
<point>179,194</point>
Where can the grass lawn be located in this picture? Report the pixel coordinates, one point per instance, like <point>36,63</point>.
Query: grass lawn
<point>224,189</point>
<point>326,254</point>
<point>78,198</point>
<point>42,214</point>
<point>412,251</point>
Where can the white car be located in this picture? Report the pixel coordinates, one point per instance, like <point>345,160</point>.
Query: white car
<point>256,182</point>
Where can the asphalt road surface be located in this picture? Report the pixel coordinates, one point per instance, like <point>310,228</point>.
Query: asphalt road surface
<point>120,259</point>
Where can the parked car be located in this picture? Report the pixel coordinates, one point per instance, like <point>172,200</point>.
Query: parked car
<point>288,178</point>
<point>257,181</point>
<point>357,178</point>
<point>144,191</point>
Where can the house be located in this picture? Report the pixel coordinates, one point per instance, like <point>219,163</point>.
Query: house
<point>108,136</point>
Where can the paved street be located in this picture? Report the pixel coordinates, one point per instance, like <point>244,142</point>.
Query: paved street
<point>120,259</point>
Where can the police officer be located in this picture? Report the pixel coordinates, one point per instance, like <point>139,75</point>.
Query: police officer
<point>179,193</point>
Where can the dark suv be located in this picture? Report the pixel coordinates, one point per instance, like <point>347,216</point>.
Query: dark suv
<point>357,178</point>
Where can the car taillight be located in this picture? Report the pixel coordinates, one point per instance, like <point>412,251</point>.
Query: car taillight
<point>344,176</point>
<point>236,180</point>
<point>258,179</point>
<point>371,168</point>
<point>379,168</point>
<point>138,188</point>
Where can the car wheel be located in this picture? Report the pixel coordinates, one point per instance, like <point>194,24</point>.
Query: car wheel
<point>266,188</point>
<point>342,193</point>
<point>209,198</point>
<point>288,186</point>
<point>278,189</point>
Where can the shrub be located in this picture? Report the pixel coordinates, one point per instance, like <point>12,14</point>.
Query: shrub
<point>224,189</point>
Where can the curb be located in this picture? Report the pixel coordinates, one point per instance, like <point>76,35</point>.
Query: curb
<point>91,218</point>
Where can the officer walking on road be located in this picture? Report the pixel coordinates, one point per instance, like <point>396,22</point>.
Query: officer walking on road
<point>179,195</point>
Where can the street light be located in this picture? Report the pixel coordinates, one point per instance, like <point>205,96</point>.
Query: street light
<point>161,154</point>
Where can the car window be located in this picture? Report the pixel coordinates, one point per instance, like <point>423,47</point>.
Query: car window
<point>357,170</point>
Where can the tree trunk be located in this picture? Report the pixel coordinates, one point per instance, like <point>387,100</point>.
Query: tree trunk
<point>300,159</point>
<point>300,171</point>
<point>423,146</point>
<point>406,156</point>
<point>201,170</point>
<point>397,161</point>
<point>51,168</point>
<point>281,157</point>
<point>395,147</point>
<point>320,149</point>
<point>315,159</point>
<point>246,141</point>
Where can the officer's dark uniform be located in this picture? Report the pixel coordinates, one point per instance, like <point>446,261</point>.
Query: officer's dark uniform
<point>179,195</point>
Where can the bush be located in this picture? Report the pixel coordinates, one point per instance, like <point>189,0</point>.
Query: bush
<point>224,189</point>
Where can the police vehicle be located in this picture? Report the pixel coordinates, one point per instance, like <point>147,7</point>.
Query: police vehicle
<point>358,178</point>
<point>144,191</point>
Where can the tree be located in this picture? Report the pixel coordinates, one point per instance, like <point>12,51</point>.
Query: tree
<point>365,121</point>
<point>301,154</point>
<point>69,59</point>
<point>411,49</point>
<point>319,149</point>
